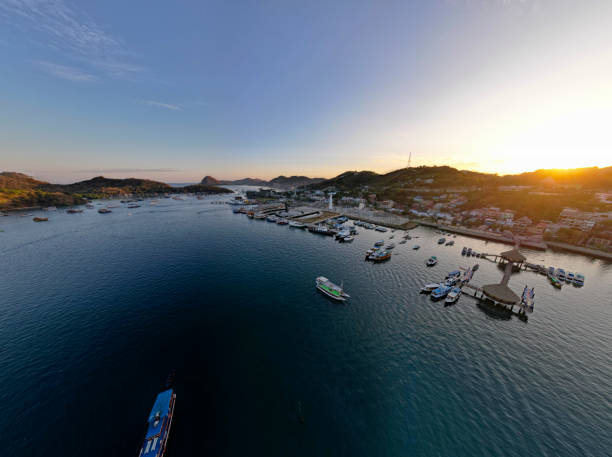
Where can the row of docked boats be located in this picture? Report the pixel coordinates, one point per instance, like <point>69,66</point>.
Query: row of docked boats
<point>369,226</point>
<point>558,276</point>
<point>450,288</point>
<point>468,252</point>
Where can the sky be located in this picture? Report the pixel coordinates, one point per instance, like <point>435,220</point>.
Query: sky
<point>178,90</point>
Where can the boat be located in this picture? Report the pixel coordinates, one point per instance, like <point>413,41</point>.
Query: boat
<point>450,243</point>
<point>112,206</point>
<point>390,246</point>
<point>74,211</point>
<point>271,218</point>
<point>579,280</point>
<point>403,242</point>
<point>432,261</point>
<point>570,277</point>
<point>453,295</point>
<point>451,281</point>
<point>342,234</point>
<point>428,288</point>
<point>379,243</point>
<point>453,274</point>
<point>260,216</point>
<point>104,211</point>
<point>379,256</point>
<point>296,224</point>
<point>282,222</point>
<point>560,274</point>
<point>50,208</point>
<point>89,206</point>
<point>348,239</point>
<point>159,423</point>
<point>250,214</point>
<point>391,237</point>
<point>40,219</point>
<point>464,250</point>
<point>330,289</point>
<point>551,271</point>
<point>555,282</point>
<point>133,205</point>
<point>416,246</point>
<point>442,241</point>
<point>440,292</point>
<point>468,252</point>
<point>321,230</point>
<point>380,229</point>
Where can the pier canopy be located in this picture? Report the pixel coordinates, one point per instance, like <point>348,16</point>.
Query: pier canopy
<point>513,256</point>
<point>500,293</point>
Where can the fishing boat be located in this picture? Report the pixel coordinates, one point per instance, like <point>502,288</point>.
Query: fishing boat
<point>74,211</point>
<point>440,292</point>
<point>379,256</point>
<point>250,214</point>
<point>104,211</point>
<point>453,274</point>
<point>330,289</point>
<point>442,241</point>
<point>428,288</point>
<point>555,282</point>
<point>560,274</point>
<point>159,423</point>
<point>579,280</point>
<point>433,260</point>
<point>40,219</point>
<point>453,295</point>
<point>570,277</point>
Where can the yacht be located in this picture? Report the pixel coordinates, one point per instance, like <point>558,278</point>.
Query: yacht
<point>330,289</point>
<point>432,261</point>
<point>440,292</point>
<point>453,295</point>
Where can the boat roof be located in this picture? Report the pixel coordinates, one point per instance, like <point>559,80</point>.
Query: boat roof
<point>161,405</point>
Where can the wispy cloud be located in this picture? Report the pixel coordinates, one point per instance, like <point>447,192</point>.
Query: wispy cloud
<point>64,28</point>
<point>169,106</point>
<point>64,72</point>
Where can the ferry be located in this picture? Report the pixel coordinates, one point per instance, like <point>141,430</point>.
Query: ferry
<point>104,211</point>
<point>440,292</point>
<point>453,295</point>
<point>330,289</point>
<point>159,422</point>
<point>433,260</point>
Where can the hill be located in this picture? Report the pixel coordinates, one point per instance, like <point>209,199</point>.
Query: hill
<point>210,181</point>
<point>12,180</point>
<point>284,182</point>
<point>247,182</point>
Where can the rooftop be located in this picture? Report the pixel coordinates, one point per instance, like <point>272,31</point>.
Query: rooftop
<point>500,293</point>
<point>513,256</point>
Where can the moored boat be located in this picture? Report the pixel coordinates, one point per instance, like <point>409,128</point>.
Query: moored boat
<point>40,219</point>
<point>428,288</point>
<point>442,241</point>
<point>554,281</point>
<point>416,246</point>
<point>579,280</point>
<point>74,211</point>
<point>440,292</point>
<point>453,295</point>
<point>433,260</point>
<point>104,211</point>
<point>330,289</point>
<point>296,224</point>
<point>379,256</point>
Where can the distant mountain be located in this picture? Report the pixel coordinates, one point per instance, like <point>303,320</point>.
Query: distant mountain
<point>445,176</point>
<point>247,182</point>
<point>284,182</point>
<point>210,181</point>
<point>111,186</point>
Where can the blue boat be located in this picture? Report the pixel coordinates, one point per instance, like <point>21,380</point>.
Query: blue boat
<point>440,292</point>
<point>159,423</point>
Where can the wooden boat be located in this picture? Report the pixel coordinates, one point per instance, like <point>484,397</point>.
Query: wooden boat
<point>40,219</point>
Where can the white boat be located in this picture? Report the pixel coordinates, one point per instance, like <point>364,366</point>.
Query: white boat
<point>296,224</point>
<point>390,246</point>
<point>379,243</point>
<point>428,288</point>
<point>330,289</point>
<point>348,239</point>
<point>453,295</point>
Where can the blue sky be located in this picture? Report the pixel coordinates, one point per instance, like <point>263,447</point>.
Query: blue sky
<point>178,90</point>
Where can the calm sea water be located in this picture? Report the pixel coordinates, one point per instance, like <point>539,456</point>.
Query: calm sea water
<point>96,309</point>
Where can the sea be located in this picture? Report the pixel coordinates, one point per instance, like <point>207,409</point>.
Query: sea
<point>96,310</point>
